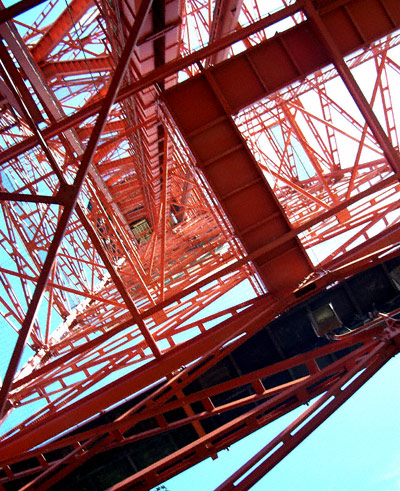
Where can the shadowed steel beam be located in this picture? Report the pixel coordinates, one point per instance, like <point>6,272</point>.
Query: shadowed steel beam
<point>30,198</point>
<point>225,434</point>
<point>225,20</point>
<point>18,8</point>
<point>294,434</point>
<point>135,416</point>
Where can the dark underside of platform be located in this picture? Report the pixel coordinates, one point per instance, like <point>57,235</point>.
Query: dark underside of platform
<point>354,300</point>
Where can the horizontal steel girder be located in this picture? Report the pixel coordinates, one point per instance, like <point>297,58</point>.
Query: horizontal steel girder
<point>222,153</point>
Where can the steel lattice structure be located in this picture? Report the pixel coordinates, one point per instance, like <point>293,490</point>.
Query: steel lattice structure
<point>157,156</point>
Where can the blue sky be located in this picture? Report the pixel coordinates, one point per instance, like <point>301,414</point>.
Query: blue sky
<point>357,448</point>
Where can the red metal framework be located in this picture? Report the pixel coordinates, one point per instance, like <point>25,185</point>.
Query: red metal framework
<point>154,157</point>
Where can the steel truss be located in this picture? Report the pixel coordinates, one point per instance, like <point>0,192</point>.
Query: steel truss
<point>128,207</point>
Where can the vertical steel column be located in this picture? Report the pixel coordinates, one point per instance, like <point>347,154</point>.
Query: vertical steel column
<point>164,216</point>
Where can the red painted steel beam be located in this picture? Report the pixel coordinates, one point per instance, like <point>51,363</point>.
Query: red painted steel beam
<point>35,77</point>
<point>225,20</point>
<point>27,105</point>
<point>385,240</point>
<point>76,67</point>
<point>223,155</point>
<point>203,345</point>
<point>277,242</point>
<point>15,83</point>
<point>95,343</point>
<point>157,75</point>
<point>325,35</point>
<point>150,411</point>
<point>302,390</point>
<point>143,377</point>
<point>69,207</point>
<point>30,198</point>
<point>287,392</point>
<point>235,178</point>
<point>254,74</point>
<point>108,335</point>
<point>80,350</point>
<point>119,284</point>
<point>238,427</point>
<point>57,286</point>
<point>382,27</point>
<point>164,214</point>
<point>363,335</point>
<point>72,13</point>
<point>294,434</point>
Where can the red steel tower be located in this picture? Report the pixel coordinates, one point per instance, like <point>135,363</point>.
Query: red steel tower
<point>199,229</point>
